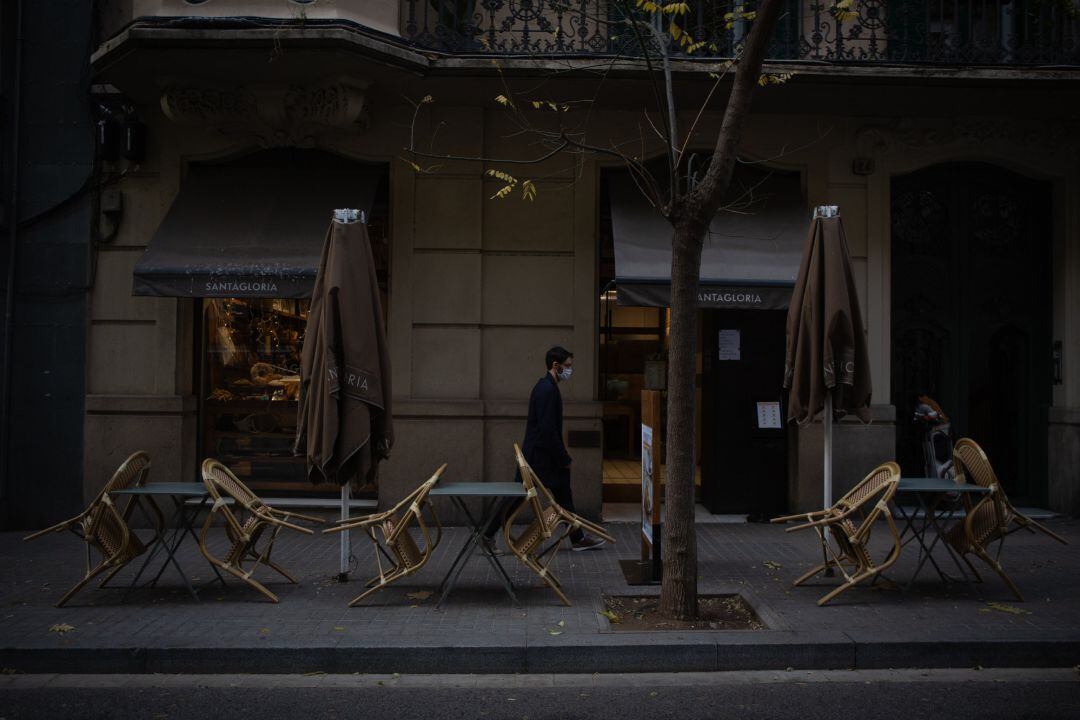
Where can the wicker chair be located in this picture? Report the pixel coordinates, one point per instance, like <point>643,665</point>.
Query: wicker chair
<point>849,523</point>
<point>247,518</point>
<point>991,519</point>
<point>548,518</point>
<point>981,526</point>
<point>398,546</point>
<point>104,527</point>
<point>976,466</point>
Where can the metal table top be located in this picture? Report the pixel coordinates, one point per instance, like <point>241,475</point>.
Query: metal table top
<point>924,484</point>
<point>480,489</point>
<point>176,489</point>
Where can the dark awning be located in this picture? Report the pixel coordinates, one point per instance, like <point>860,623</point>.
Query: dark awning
<point>751,256</point>
<point>252,228</point>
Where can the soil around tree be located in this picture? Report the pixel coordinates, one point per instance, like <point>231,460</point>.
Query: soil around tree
<point>715,612</point>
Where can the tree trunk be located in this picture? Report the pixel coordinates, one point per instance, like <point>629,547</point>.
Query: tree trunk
<point>678,591</point>
<point>691,217</point>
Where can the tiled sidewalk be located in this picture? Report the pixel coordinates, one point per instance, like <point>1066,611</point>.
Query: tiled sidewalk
<point>311,629</point>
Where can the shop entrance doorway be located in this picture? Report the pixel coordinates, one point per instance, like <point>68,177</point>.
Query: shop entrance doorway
<point>971,312</point>
<point>745,453</point>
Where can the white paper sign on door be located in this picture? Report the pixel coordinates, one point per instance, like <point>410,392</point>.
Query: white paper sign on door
<point>730,345</point>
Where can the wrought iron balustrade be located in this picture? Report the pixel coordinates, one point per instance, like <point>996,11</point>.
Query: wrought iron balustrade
<point>946,32</point>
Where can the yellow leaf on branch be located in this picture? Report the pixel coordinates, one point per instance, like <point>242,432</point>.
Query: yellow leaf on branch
<point>528,190</point>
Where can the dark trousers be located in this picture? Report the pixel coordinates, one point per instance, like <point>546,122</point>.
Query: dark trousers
<point>559,485</point>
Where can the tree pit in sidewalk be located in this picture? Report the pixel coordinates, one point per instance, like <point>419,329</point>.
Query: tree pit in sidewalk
<point>629,613</point>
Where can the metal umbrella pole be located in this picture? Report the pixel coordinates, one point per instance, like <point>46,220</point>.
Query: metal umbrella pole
<point>345,215</point>
<point>824,211</point>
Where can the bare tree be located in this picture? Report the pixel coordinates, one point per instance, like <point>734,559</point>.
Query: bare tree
<point>688,201</point>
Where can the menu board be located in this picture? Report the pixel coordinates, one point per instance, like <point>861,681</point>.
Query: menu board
<point>768,416</point>
<point>646,482</point>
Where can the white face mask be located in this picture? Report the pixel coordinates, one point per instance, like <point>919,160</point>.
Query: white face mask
<point>565,373</point>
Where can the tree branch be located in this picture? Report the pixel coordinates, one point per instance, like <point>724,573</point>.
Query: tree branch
<point>668,146</point>
<point>704,199</point>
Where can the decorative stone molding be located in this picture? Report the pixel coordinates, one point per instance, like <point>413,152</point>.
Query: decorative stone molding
<point>1060,138</point>
<point>274,115</point>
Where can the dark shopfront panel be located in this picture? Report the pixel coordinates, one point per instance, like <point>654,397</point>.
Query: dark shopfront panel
<point>744,458</point>
<point>244,240</point>
<point>748,268</point>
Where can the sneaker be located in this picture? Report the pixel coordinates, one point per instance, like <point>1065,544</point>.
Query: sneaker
<point>587,543</point>
<point>489,546</point>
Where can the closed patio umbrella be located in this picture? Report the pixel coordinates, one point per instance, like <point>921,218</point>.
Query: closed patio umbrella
<point>826,366</point>
<point>344,427</point>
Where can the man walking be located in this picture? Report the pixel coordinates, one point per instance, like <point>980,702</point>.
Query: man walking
<point>543,446</point>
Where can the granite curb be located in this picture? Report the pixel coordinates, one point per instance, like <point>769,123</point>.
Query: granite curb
<point>623,653</point>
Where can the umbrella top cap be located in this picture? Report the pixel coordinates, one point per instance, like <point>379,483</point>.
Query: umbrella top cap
<point>348,215</point>
<point>826,211</point>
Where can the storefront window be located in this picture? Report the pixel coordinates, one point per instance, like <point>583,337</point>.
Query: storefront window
<point>251,383</point>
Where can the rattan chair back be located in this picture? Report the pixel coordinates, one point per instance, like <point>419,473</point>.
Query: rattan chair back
<point>971,461</point>
<point>104,527</point>
<point>247,519</point>
<point>549,520</point>
<point>391,537</point>
<point>844,530</point>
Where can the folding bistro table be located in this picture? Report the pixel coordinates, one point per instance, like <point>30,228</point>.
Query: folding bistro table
<point>181,522</point>
<point>489,493</point>
<point>932,497</point>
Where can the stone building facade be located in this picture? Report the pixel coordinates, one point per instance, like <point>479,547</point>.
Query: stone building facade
<point>478,288</point>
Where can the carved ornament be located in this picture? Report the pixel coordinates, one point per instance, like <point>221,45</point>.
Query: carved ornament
<point>274,115</point>
<point>1060,138</point>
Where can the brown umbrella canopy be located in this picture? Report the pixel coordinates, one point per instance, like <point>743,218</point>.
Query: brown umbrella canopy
<point>826,346</point>
<point>344,427</point>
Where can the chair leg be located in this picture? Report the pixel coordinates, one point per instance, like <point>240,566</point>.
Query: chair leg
<point>389,579</point>
<point>846,586</point>
<point>281,571</point>
<point>264,559</point>
<point>112,573</point>
<point>985,557</point>
<point>1029,523</point>
<point>90,575</point>
<point>54,528</point>
<point>550,581</point>
<point>239,574</point>
<point>234,569</point>
<point>971,566</point>
<point>812,572</point>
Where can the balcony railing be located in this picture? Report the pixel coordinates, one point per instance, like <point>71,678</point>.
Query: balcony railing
<point>944,32</point>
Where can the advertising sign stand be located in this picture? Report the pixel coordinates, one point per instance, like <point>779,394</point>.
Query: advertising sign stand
<point>649,569</point>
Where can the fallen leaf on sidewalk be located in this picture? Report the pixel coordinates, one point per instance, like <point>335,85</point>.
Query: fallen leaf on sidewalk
<point>772,564</point>
<point>1012,610</point>
<point>561,623</point>
<point>420,595</point>
<point>61,628</point>
<point>339,627</point>
<point>264,631</point>
<point>613,617</point>
<point>554,632</point>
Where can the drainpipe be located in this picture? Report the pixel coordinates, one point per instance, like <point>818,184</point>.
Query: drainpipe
<point>13,237</point>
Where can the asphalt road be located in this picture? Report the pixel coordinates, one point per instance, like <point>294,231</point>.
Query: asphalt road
<point>801,695</point>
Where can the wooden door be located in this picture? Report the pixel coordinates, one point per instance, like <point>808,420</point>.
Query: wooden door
<point>971,314</point>
<point>744,466</point>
